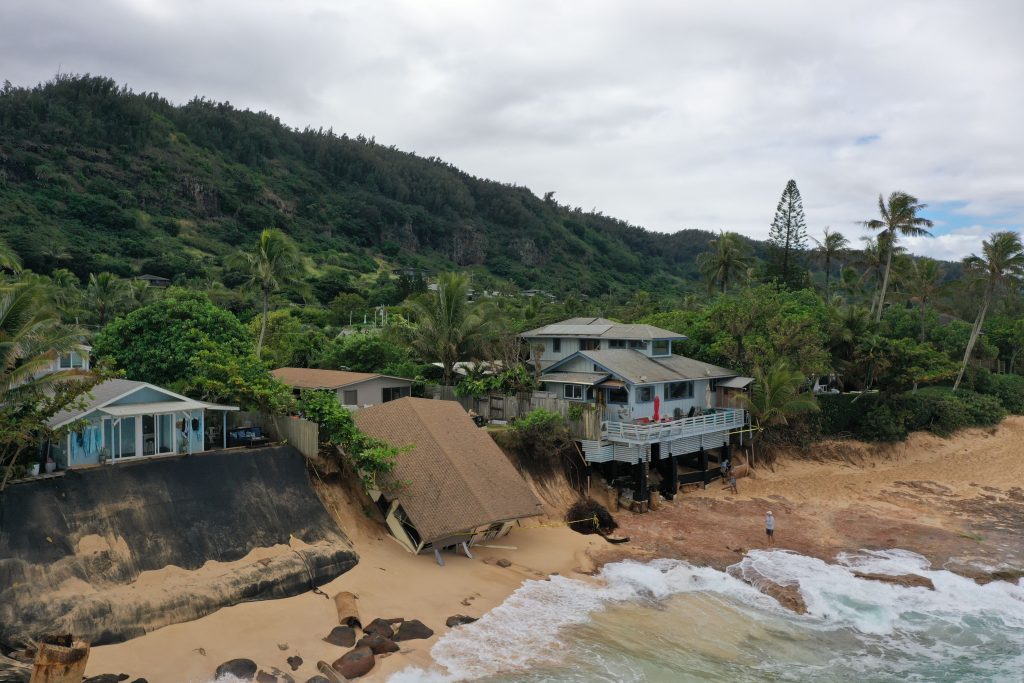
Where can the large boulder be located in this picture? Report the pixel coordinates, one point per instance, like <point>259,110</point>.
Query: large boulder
<point>264,677</point>
<point>295,662</point>
<point>378,644</point>
<point>907,580</point>
<point>342,636</point>
<point>354,664</point>
<point>107,678</point>
<point>244,669</point>
<point>381,627</point>
<point>412,630</point>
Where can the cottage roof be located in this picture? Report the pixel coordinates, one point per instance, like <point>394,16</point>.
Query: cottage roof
<point>105,393</point>
<point>588,378</point>
<point>638,368</point>
<point>315,378</point>
<point>600,328</point>
<point>455,478</point>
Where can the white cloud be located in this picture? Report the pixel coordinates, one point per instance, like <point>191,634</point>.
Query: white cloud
<point>669,115</point>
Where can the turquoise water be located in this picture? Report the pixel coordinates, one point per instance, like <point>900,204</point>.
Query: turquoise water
<point>670,621</point>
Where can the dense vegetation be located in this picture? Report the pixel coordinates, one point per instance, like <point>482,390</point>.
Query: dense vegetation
<point>303,248</point>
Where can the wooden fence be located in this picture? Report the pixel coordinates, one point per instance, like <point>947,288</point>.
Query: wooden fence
<point>585,427</point>
<point>302,434</point>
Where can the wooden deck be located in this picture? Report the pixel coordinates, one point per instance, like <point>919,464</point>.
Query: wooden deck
<point>656,432</point>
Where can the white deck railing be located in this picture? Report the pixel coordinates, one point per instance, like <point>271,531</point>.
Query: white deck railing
<point>629,432</point>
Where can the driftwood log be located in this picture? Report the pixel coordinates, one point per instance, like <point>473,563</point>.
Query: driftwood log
<point>59,660</point>
<point>348,609</point>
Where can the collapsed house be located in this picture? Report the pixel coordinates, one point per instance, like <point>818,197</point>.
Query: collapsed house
<point>453,487</point>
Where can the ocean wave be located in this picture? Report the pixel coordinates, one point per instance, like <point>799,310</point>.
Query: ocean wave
<point>905,630</point>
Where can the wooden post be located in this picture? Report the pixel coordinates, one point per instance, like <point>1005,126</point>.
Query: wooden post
<point>704,464</point>
<point>59,660</point>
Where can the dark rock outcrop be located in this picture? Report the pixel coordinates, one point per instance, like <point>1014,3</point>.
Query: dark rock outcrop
<point>244,669</point>
<point>295,662</point>
<point>378,644</point>
<point>412,630</point>
<point>354,664</point>
<point>342,636</point>
<point>106,678</point>
<point>106,526</point>
<point>907,580</point>
<point>458,620</point>
<point>264,677</point>
<point>380,627</point>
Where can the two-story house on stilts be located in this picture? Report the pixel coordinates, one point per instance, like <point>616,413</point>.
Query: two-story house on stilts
<point>655,408</point>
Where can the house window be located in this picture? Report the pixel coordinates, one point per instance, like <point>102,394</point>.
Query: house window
<point>644,394</point>
<point>617,343</point>
<point>661,347</point>
<point>573,392</point>
<point>675,391</point>
<point>590,344</point>
<point>350,397</point>
<point>70,360</point>
<point>392,393</point>
<point>639,344</point>
<point>597,368</point>
<point>556,345</point>
<point>618,396</point>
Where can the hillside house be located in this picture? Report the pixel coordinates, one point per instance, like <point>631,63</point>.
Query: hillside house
<point>354,389</point>
<point>653,406</point>
<point>454,487</point>
<point>122,419</point>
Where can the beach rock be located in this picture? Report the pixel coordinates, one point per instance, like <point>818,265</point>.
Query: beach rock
<point>504,563</point>
<point>354,664</point>
<point>378,644</point>
<point>458,620</point>
<point>107,678</point>
<point>294,662</point>
<point>907,580</point>
<point>788,596</point>
<point>381,627</point>
<point>264,677</point>
<point>239,668</point>
<point>140,680</point>
<point>342,636</point>
<point>318,679</point>
<point>412,630</point>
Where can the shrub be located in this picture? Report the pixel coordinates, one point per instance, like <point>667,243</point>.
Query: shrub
<point>581,515</point>
<point>1009,389</point>
<point>538,440</point>
<point>842,413</point>
<point>885,422</point>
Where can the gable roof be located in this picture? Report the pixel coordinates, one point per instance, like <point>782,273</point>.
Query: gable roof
<point>638,368</point>
<point>455,478</point>
<point>112,390</point>
<point>600,328</point>
<point>315,378</point>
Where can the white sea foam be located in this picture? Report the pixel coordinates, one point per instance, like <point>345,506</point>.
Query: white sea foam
<point>907,628</point>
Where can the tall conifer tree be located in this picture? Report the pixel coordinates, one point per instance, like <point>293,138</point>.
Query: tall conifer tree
<point>788,240</point>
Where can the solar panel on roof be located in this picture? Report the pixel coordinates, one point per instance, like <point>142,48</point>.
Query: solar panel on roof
<point>571,330</point>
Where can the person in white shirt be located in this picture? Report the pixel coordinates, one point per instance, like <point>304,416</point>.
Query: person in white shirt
<point>769,528</point>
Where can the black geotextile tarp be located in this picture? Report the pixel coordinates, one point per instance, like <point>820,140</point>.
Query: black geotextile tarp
<point>105,526</point>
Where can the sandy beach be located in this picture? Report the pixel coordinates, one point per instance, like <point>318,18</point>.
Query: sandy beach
<point>956,501</point>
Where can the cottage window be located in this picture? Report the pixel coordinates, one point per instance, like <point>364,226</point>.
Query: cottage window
<point>675,391</point>
<point>645,394</point>
<point>70,360</point>
<point>661,347</point>
<point>392,393</point>
<point>556,345</point>
<point>350,397</point>
<point>573,392</point>
<point>639,344</point>
<point>590,344</point>
<point>617,344</point>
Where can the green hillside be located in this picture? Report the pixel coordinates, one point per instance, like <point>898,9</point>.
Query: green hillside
<point>95,177</point>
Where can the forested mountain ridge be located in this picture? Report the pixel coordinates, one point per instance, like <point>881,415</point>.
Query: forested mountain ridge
<point>95,177</point>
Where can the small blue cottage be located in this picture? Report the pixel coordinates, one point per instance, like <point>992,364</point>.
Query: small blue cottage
<point>123,420</point>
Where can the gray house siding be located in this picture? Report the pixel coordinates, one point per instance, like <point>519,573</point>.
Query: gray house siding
<point>371,392</point>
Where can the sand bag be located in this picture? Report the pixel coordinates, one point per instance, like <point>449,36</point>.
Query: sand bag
<point>348,610</point>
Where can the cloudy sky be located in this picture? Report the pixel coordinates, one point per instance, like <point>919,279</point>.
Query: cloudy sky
<point>667,114</point>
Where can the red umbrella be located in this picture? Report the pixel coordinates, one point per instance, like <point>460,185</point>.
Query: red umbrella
<point>657,406</point>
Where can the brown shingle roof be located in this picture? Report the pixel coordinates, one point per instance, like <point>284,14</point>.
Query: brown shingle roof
<point>455,478</point>
<point>313,378</point>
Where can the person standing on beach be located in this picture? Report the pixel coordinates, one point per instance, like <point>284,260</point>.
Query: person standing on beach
<point>769,528</point>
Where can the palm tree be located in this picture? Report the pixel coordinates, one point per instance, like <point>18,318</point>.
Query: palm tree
<point>276,263</point>
<point>831,246</point>
<point>1001,265</point>
<point>923,284</point>
<point>447,328</point>
<point>873,259</point>
<point>9,258</point>
<point>775,396</point>
<point>105,293</point>
<point>727,257</point>
<point>898,216</point>
<point>140,293</point>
